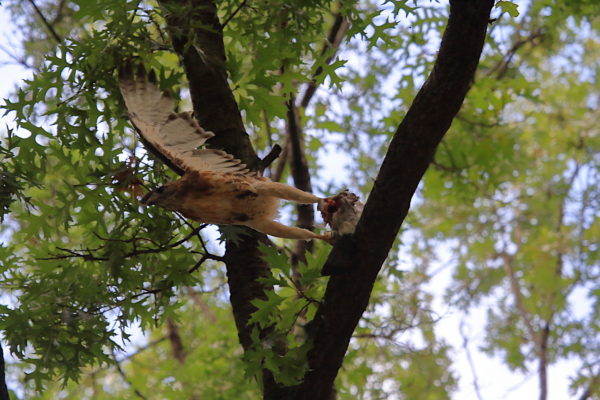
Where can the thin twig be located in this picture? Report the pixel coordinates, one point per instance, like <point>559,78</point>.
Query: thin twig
<point>18,60</point>
<point>125,378</point>
<point>233,14</point>
<point>134,13</point>
<point>502,67</point>
<point>333,41</point>
<point>518,298</point>
<point>46,23</point>
<point>59,9</point>
<point>465,345</point>
<point>198,264</point>
<point>136,252</point>
<point>301,294</point>
<point>138,351</point>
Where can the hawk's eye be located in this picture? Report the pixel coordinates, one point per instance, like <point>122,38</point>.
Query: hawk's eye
<point>160,189</point>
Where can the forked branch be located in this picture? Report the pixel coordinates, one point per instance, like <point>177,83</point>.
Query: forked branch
<point>409,155</point>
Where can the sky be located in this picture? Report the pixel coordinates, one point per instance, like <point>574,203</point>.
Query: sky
<point>494,380</point>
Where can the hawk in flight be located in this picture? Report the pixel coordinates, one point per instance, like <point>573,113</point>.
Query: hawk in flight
<point>215,187</point>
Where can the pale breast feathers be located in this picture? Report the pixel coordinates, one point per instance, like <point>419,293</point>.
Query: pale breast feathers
<point>174,135</point>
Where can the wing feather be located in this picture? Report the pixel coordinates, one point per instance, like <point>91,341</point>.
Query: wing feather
<point>175,135</point>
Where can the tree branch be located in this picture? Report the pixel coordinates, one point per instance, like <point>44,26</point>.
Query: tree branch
<point>234,13</point>
<point>3,388</point>
<point>300,172</point>
<point>334,39</point>
<point>591,388</point>
<point>198,39</point>
<point>465,345</point>
<point>176,342</point>
<point>550,300</point>
<point>88,254</point>
<point>270,157</point>
<point>45,22</point>
<point>301,176</point>
<point>283,159</point>
<point>501,68</point>
<point>410,152</point>
<point>518,296</point>
<point>126,379</point>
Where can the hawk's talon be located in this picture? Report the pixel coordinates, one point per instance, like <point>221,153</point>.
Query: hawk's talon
<point>327,237</point>
<point>215,187</point>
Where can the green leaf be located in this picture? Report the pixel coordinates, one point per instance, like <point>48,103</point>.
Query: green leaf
<point>508,7</point>
<point>266,310</point>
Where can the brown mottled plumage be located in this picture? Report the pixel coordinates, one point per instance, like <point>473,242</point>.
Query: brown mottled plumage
<point>215,187</point>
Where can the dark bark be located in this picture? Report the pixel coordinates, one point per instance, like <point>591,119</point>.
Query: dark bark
<point>245,268</point>
<point>300,172</point>
<point>543,361</point>
<point>176,342</point>
<point>301,176</point>
<point>410,153</point>
<point>277,172</point>
<point>3,388</point>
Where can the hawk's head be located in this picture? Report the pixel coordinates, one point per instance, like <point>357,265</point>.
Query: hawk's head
<point>164,196</point>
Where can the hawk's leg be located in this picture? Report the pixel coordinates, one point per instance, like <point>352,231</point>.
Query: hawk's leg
<point>285,192</point>
<point>274,228</point>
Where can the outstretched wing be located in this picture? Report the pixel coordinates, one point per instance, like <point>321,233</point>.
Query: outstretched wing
<point>176,136</point>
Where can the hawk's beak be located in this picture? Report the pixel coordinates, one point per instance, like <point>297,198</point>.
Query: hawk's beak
<point>146,199</point>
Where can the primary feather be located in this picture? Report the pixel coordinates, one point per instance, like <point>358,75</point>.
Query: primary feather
<point>215,187</point>
<point>176,136</point>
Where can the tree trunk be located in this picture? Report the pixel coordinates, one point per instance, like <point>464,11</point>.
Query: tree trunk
<point>216,110</point>
<point>410,152</point>
<point>3,388</point>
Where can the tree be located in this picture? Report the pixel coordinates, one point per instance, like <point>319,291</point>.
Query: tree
<point>525,239</point>
<point>85,262</point>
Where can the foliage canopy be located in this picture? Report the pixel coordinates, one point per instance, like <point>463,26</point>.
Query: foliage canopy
<point>510,204</point>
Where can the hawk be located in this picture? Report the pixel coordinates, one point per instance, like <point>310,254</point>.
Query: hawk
<point>215,187</point>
